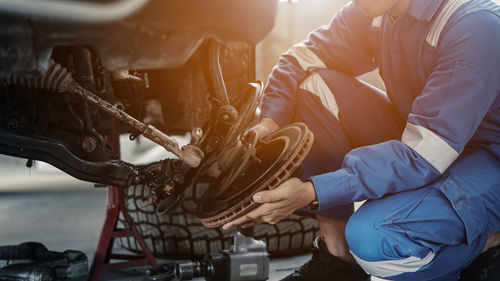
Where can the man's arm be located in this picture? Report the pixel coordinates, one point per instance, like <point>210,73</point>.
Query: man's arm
<point>346,44</point>
<point>458,94</point>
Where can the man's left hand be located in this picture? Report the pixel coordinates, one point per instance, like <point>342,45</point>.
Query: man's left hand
<point>278,203</point>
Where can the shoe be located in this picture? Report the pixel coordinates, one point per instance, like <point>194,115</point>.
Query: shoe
<point>324,266</point>
<point>486,267</point>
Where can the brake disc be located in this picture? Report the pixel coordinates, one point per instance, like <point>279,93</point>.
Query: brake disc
<point>263,165</point>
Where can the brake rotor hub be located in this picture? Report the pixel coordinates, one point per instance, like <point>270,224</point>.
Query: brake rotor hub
<point>262,165</point>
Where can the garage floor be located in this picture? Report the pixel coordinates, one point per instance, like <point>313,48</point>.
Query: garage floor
<point>64,213</point>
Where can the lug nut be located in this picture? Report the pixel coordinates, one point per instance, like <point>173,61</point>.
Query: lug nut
<point>153,198</point>
<point>89,144</point>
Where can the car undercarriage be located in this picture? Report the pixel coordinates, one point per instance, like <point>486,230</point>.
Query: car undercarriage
<point>67,80</point>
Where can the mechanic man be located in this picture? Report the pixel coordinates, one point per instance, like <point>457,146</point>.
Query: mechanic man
<point>427,158</point>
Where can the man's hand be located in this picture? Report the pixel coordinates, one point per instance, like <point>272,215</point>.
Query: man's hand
<point>278,203</point>
<point>265,127</point>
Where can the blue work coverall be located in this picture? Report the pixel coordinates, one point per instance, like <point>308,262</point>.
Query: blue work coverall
<point>425,155</point>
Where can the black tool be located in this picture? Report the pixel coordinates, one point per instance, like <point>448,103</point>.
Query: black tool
<point>247,260</point>
<point>31,261</point>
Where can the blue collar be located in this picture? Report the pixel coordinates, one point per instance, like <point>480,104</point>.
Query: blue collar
<point>424,9</point>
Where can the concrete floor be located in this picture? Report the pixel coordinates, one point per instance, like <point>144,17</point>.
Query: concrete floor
<point>45,205</point>
<point>64,213</point>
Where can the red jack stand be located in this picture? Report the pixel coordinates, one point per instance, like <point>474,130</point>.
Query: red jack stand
<point>110,231</point>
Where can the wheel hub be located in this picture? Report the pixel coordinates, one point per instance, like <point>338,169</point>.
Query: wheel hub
<point>262,165</point>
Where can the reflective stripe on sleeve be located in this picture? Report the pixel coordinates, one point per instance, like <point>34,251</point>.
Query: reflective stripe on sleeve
<point>315,84</point>
<point>307,59</point>
<point>442,18</point>
<point>377,21</point>
<point>389,268</point>
<point>430,146</point>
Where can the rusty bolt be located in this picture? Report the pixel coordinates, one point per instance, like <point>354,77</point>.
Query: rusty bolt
<point>227,114</point>
<point>196,135</point>
<point>153,198</point>
<point>89,144</point>
<point>168,189</point>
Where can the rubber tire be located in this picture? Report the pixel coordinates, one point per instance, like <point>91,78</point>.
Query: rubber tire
<point>180,235</point>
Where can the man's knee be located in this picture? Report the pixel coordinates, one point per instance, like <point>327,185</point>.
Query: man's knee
<point>382,252</point>
<point>364,239</point>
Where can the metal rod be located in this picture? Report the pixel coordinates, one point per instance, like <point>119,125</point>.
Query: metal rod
<point>58,79</point>
<point>190,154</point>
<point>215,50</point>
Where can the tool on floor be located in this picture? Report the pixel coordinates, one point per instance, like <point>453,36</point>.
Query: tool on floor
<point>247,260</point>
<point>32,261</point>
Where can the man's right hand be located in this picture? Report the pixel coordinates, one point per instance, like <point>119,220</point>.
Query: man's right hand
<point>265,127</point>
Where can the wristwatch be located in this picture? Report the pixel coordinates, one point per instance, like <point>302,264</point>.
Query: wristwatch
<point>314,206</point>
